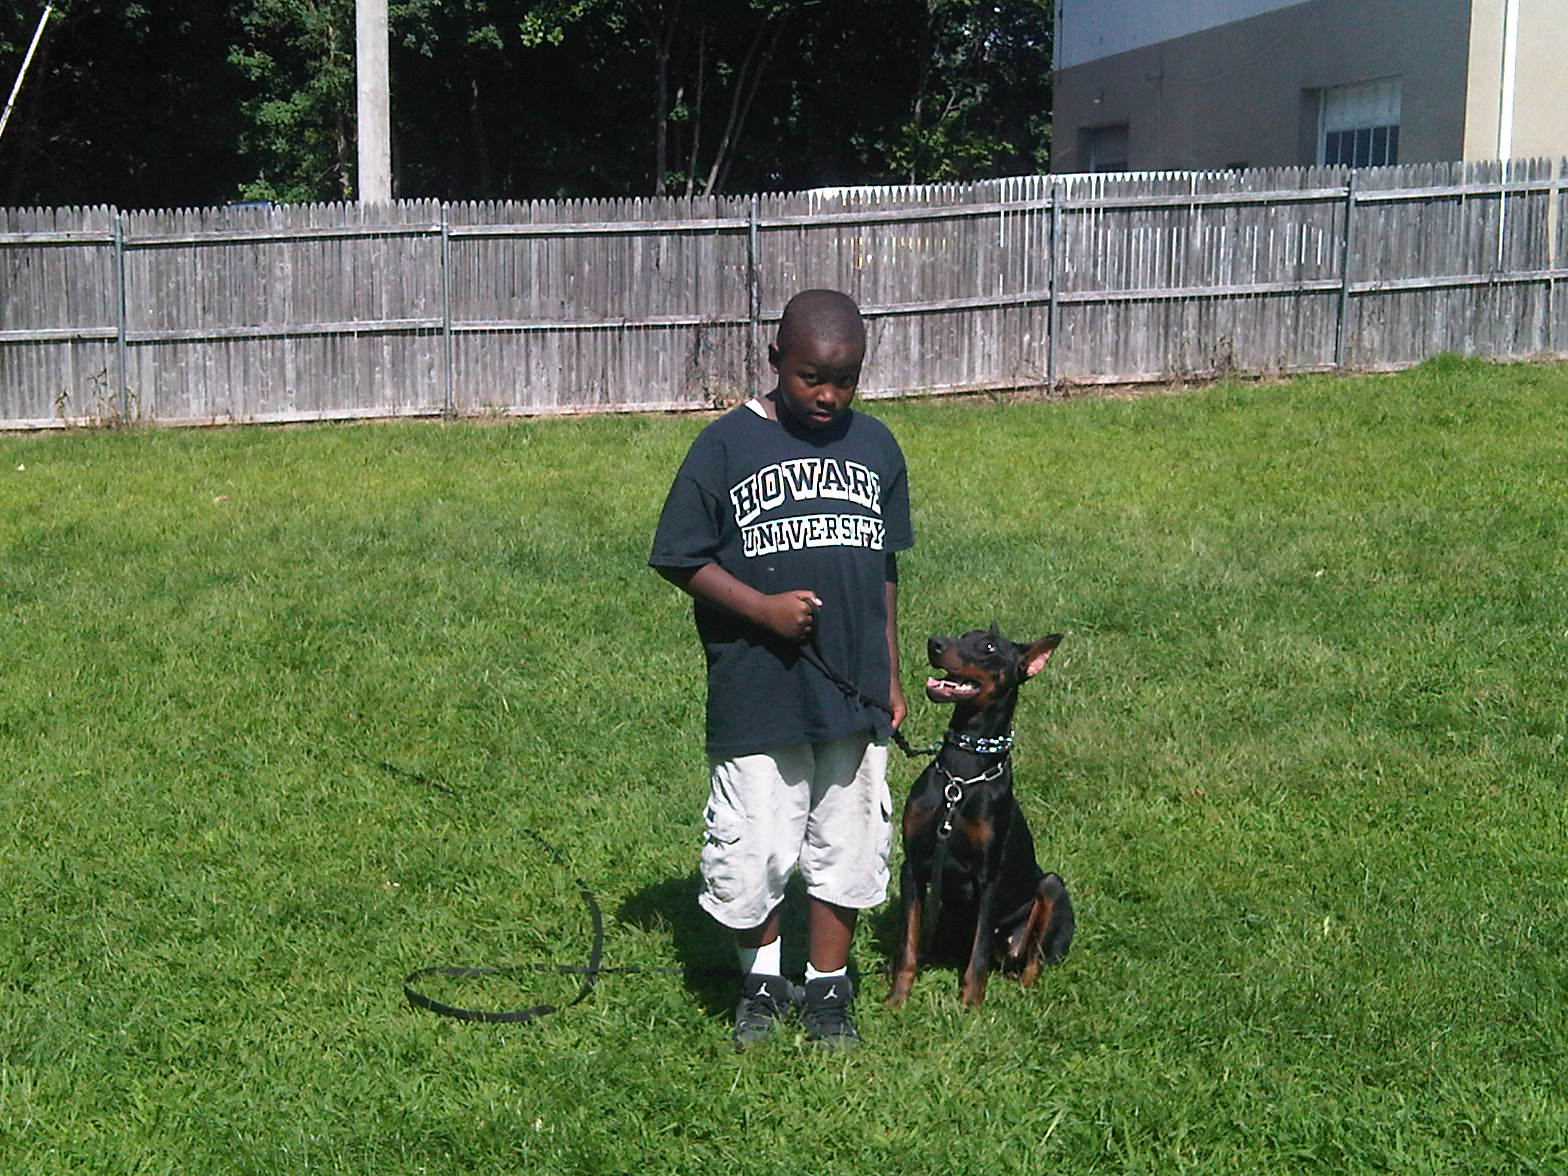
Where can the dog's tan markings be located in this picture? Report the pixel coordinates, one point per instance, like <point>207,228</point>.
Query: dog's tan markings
<point>1024,945</point>
<point>904,972</point>
<point>979,833</point>
<point>915,817</point>
<point>990,686</point>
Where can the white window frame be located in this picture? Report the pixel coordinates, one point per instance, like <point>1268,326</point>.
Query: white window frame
<point>1098,136</point>
<point>1370,111</point>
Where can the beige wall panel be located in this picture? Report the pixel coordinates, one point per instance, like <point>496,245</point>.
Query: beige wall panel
<point>1541,91</point>
<point>1482,76</point>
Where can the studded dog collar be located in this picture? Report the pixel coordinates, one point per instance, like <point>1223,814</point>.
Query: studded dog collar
<point>980,744</point>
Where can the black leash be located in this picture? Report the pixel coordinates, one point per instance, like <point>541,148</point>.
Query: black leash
<point>953,795</point>
<point>589,971</point>
<point>594,968</point>
<point>812,653</point>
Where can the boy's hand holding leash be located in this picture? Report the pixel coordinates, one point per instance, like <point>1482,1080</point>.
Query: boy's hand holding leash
<point>785,614</point>
<point>896,705</point>
<point>788,603</point>
<point>790,615</point>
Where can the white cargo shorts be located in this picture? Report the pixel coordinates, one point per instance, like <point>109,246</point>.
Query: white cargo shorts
<point>821,807</point>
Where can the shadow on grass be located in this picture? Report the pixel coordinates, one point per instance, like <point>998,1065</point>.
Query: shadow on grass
<point>704,949</point>
<point>886,925</point>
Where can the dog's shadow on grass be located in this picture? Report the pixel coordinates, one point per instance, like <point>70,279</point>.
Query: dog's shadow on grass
<point>705,951</point>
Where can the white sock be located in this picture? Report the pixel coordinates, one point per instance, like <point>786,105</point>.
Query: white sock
<point>813,974</point>
<point>767,960</point>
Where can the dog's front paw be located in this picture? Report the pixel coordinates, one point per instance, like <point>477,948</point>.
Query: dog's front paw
<point>972,991</point>
<point>899,993</point>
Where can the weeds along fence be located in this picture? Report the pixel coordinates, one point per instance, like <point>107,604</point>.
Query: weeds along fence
<point>420,307</point>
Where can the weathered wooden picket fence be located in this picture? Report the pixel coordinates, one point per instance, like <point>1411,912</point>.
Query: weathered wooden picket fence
<point>333,311</point>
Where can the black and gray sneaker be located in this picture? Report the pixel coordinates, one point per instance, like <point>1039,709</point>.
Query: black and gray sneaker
<point>765,1002</point>
<point>825,1012</point>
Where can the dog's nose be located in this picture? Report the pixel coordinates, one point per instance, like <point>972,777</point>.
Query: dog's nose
<point>936,646</point>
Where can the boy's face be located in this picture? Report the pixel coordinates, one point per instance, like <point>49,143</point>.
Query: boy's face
<point>817,378</point>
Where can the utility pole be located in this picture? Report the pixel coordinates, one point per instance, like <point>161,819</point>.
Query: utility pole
<point>27,60</point>
<point>374,93</point>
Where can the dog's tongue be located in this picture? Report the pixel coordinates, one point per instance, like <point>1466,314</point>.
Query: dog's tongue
<point>949,687</point>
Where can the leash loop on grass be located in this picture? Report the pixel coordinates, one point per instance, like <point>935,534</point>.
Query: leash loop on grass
<point>594,969</point>
<point>590,972</point>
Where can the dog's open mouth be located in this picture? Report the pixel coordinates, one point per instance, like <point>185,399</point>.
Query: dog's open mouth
<point>951,689</point>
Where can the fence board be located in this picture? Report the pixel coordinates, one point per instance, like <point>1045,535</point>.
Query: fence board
<point>323,311</point>
<point>58,314</point>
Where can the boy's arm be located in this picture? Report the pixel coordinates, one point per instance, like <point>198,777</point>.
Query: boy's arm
<point>785,614</point>
<point>895,688</point>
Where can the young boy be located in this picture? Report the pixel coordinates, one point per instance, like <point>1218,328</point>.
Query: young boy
<point>782,523</point>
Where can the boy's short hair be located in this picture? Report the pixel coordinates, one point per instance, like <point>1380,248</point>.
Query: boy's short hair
<point>819,314</point>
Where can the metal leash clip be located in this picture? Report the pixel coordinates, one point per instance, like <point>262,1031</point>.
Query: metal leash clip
<point>952,792</point>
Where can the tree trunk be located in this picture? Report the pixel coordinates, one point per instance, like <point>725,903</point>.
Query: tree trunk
<point>696,117</point>
<point>922,81</point>
<point>343,145</point>
<point>661,35</point>
<point>746,81</point>
<point>661,120</point>
<point>476,123</point>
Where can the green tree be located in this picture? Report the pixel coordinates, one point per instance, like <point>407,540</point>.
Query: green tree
<point>298,56</point>
<point>129,103</point>
<point>163,104</point>
<point>497,98</point>
<point>982,98</point>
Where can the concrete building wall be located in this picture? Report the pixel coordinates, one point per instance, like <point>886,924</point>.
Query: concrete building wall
<point>1246,92</point>
<point>1090,29</point>
<point>1540,80</point>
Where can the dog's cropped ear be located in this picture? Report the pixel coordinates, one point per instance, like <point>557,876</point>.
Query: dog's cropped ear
<point>1036,655</point>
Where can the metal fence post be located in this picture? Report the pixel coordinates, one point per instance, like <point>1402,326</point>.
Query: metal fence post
<point>121,380</point>
<point>753,299</point>
<point>1053,306</point>
<point>1554,257</point>
<point>1342,327</point>
<point>449,399</point>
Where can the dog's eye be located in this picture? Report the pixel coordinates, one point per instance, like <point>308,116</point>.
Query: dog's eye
<point>989,647</point>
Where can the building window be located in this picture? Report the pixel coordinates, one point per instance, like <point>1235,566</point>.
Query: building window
<point>1358,126</point>
<point>1103,149</point>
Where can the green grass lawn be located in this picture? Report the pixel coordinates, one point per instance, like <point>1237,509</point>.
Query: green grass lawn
<point>1300,758</point>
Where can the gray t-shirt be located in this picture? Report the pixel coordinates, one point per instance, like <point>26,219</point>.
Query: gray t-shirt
<point>781,508</point>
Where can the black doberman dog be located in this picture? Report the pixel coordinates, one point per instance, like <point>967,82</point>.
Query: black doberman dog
<point>968,854</point>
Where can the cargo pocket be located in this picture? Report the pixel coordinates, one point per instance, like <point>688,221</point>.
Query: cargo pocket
<point>885,832</point>
<point>884,838</point>
<point>723,870</point>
